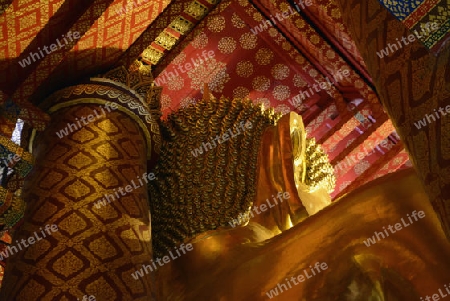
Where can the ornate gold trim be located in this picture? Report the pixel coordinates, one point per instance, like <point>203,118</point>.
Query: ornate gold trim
<point>196,10</point>
<point>111,93</point>
<point>152,55</point>
<point>166,40</point>
<point>74,102</point>
<point>121,85</point>
<point>16,149</point>
<point>181,25</point>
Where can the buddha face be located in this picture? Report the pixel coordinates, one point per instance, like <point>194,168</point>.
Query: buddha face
<point>284,168</point>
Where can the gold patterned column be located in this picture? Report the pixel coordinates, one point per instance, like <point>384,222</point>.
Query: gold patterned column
<point>95,248</point>
<point>413,86</point>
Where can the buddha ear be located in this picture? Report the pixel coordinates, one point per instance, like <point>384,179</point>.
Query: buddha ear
<point>298,138</point>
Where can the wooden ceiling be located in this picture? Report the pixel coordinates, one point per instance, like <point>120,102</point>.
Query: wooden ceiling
<point>228,44</point>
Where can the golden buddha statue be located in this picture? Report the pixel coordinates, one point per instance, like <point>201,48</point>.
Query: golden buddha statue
<point>251,208</point>
<point>239,211</point>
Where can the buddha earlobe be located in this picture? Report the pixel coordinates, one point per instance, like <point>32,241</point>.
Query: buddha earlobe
<point>298,138</point>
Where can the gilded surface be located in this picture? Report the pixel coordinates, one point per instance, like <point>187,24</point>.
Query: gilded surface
<point>181,25</point>
<point>234,264</point>
<point>196,10</point>
<point>185,202</point>
<point>247,261</point>
<point>412,83</point>
<point>152,55</point>
<point>190,158</point>
<point>130,102</point>
<point>96,249</point>
<point>166,40</point>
